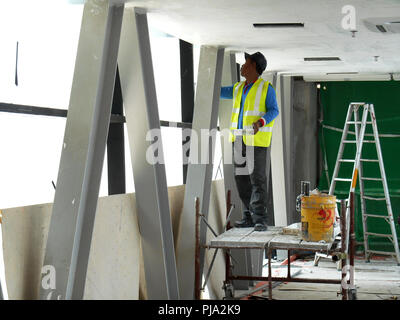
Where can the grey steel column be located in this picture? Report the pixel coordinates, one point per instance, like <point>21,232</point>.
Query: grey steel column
<point>287,127</point>
<point>141,110</point>
<point>199,175</point>
<point>230,77</point>
<point>86,130</point>
<point>277,161</point>
<point>271,77</point>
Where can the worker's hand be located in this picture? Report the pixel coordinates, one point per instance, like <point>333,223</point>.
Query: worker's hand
<point>257,125</point>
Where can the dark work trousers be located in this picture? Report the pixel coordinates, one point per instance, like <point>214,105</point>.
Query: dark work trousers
<point>252,187</point>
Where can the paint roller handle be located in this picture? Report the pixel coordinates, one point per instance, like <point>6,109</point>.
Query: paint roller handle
<point>242,132</point>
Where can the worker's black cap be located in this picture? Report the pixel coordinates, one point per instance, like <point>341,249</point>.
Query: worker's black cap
<point>259,59</point>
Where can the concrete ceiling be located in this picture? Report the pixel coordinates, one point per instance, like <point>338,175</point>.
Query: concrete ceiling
<point>229,23</point>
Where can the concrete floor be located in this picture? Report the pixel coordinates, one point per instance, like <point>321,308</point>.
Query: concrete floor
<point>377,280</point>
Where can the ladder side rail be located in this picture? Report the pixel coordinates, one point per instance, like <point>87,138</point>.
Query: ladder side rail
<point>361,182</point>
<point>340,152</point>
<point>356,167</point>
<point>384,181</point>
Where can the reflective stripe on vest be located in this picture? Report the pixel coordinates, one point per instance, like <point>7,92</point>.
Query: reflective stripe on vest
<point>254,109</point>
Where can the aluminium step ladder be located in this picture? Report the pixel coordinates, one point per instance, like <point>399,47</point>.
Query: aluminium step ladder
<point>353,112</point>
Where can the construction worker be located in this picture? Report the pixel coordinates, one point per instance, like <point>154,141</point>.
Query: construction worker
<point>254,108</point>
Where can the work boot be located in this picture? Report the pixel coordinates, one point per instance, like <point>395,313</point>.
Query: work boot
<point>246,222</point>
<point>260,226</point>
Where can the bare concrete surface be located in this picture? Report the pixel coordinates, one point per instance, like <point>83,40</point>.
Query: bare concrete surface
<point>377,280</point>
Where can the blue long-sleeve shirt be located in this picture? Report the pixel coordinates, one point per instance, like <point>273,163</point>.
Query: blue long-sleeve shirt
<point>270,102</point>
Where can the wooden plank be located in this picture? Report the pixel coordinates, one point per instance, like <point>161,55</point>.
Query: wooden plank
<point>261,238</point>
<point>237,232</point>
<point>285,241</point>
<point>295,242</point>
<point>324,246</point>
<point>231,238</point>
<point>244,238</point>
<point>248,238</point>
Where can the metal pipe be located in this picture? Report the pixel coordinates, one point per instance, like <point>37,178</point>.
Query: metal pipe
<point>53,112</point>
<point>343,245</point>
<point>269,273</point>
<point>228,206</point>
<point>285,279</point>
<point>228,226</point>
<point>352,240</point>
<point>228,215</point>
<point>334,256</point>
<point>197,279</point>
<point>288,266</point>
<point>208,225</point>
<point>209,269</point>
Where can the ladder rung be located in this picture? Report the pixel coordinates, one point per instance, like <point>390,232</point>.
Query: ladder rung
<point>382,252</point>
<point>372,179</point>
<point>375,216</point>
<point>343,179</point>
<point>372,198</point>
<point>355,141</point>
<point>358,122</point>
<point>347,160</point>
<point>378,234</point>
<point>369,160</point>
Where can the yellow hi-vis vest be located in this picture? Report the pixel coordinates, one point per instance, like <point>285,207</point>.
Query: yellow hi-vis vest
<point>253,109</point>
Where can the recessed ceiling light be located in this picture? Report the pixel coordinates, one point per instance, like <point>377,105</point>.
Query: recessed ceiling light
<point>279,25</point>
<point>322,59</point>
<point>383,24</point>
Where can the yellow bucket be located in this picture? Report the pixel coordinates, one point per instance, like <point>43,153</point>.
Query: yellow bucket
<point>317,217</point>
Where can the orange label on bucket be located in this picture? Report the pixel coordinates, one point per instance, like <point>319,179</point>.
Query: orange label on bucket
<point>326,216</point>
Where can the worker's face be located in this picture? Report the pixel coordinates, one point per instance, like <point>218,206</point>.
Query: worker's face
<point>249,68</point>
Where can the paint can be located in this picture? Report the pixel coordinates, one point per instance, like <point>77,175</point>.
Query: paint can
<point>317,217</point>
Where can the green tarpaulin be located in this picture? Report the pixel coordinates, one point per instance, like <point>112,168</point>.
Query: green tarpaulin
<point>334,99</point>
